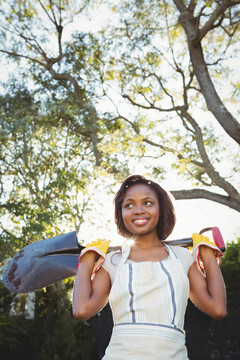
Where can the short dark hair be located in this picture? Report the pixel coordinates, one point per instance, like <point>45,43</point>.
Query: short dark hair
<point>167,219</point>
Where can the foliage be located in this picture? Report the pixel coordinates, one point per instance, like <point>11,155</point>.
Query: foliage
<point>231,273</point>
<point>52,334</point>
<point>43,179</point>
<point>220,337</point>
<point>6,300</point>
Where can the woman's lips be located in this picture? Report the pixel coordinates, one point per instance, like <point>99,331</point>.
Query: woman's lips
<point>140,221</point>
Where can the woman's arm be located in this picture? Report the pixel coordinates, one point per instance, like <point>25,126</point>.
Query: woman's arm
<point>89,296</point>
<point>208,293</point>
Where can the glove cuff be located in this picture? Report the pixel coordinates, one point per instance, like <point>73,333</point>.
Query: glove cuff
<point>91,248</point>
<point>99,262</point>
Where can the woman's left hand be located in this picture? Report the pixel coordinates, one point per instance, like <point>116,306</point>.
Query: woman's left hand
<point>207,291</point>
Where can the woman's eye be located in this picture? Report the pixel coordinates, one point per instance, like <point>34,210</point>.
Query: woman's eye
<point>148,203</point>
<point>128,206</point>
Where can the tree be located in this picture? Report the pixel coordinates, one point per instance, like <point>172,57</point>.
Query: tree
<point>54,140</point>
<point>197,28</point>
<point>133,59</point>
<point>44,183</point>
<point>172,60</point>
<point>32,35</point>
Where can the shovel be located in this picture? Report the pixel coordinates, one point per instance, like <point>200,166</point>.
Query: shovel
<point>43,263</point>
<point>48,261</point>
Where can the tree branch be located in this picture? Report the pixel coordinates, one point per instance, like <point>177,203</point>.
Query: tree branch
<point>218,12</point>
<point>15,55</point>
<point>212,173</point>
<point>176,108</point>
<point>208,195</point>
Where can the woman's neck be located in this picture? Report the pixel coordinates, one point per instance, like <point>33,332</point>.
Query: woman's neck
<point>147,249</point>
<point>146,241</point>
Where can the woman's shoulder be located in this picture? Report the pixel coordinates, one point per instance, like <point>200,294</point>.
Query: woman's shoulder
<point>184,255</point>
<point>111,262</point>
<point>180,250</point>
<point>114,257</point>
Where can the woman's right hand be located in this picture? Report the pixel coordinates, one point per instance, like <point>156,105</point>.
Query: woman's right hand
<point>90,293</point>
<point>100,248</point>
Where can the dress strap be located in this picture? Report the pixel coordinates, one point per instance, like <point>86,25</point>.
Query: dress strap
<point>171,251</point>
<point>126,249</point>
<point>125,252</point>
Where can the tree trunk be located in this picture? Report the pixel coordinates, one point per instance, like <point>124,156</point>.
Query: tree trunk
<point>213,101</point>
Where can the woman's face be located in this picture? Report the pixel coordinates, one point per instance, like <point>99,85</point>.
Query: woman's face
<point>140,210</point>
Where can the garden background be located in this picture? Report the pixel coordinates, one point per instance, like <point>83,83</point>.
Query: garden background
<point>92,91</point>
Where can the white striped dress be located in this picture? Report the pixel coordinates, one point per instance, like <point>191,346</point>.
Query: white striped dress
<point>148,302</point>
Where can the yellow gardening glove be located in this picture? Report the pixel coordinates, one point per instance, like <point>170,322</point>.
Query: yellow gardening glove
<point>99,244</point>
<point>200,240</point>
<point>100,247</point>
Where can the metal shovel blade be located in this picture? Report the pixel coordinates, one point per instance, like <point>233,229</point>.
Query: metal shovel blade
<point>43,263</point>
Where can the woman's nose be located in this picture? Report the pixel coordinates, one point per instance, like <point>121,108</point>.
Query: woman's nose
<point>139,209</point>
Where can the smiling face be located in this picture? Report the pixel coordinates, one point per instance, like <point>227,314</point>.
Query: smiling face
<point>140,210</point>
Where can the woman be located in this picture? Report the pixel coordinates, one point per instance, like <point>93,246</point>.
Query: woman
<point>147,283</point>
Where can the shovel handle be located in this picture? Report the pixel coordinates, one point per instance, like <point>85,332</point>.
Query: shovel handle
<point>180,242</point>
<point>187,242</point>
